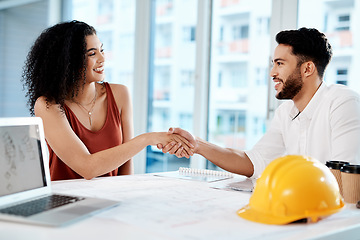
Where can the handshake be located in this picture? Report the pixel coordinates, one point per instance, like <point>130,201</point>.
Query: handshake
<point>184,146</point>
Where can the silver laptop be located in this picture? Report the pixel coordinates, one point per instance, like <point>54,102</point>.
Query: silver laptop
<point>25,185</point>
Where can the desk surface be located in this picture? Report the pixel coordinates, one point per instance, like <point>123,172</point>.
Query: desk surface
<point>155,207</point>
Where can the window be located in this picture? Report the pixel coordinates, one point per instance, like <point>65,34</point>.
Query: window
<point>20,24</point>
<point>189,34</point>
<point>238,76</point>
<point>161,83</point>
<point>114,22</point>
<point>105,14</point>
<point>341,76</point>
<point>263,25</point>
<point>220,83</point>
<point>240,32</point>
<point>334,18</point>
<point>185,120</point>
<point>261,75</point>
<point>343,23</point>
<point>164,8</point>
<point>230,124</point>
<point>221,33</point>
<point>171,82</point>
<point>187,78</point>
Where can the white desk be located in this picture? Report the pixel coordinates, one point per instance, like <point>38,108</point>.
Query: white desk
<point>165,208</point>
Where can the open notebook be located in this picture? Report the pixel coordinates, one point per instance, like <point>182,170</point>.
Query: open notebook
<point>25,185</point>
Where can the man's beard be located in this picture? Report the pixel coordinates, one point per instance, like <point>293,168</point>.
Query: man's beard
<point>291,86</point>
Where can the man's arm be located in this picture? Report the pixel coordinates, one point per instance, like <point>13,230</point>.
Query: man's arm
<point>229,159</point>
<point>345,130</point>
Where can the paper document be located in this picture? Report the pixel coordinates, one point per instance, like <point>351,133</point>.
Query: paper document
<point>236,184</point>
<point>204,175</point>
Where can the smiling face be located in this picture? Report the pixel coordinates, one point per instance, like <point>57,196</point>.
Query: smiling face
<point>286,73</point>
<point>95,59</point>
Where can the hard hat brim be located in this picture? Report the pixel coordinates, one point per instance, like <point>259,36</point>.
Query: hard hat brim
<point>251,214</point>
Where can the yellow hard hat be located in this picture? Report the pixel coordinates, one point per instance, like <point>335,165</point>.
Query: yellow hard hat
<point>292,188</point>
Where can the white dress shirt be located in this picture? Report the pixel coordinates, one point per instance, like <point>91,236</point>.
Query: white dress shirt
<point>327,129</point>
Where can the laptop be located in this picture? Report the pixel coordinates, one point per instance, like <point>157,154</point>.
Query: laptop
<point>25,185</point>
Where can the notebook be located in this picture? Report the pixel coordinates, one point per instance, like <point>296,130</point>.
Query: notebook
<point>205,175</point>
<point>25,185</point>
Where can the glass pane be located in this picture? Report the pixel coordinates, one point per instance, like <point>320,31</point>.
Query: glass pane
<point>338,20</point>
<point>171,84</point>
<point>240,50</point>
<point>20,24</point>
<point>114,21</point>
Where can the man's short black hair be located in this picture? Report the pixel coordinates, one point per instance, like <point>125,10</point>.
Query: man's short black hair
<point>308,44</point>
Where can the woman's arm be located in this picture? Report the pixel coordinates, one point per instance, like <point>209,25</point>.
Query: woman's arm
<point>73,152</point>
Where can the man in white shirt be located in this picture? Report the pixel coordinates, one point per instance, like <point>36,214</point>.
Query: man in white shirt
<point>320,121</point>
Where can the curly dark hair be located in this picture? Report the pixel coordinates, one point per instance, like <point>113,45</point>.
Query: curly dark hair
<point>308,44</point>
<point>56,64</point>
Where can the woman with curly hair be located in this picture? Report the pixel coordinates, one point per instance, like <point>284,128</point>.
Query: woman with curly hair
<point>87,122</point>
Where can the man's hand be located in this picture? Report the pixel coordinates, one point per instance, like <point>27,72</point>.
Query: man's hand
<point>173,148</point>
